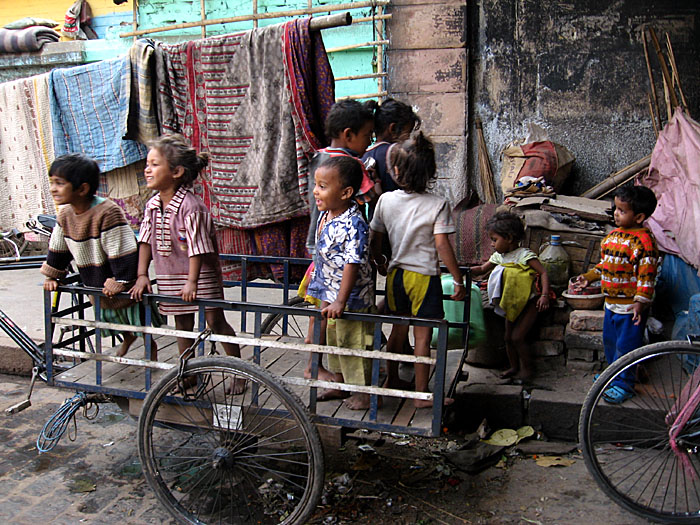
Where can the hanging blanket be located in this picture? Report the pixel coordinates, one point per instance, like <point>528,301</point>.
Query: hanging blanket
<point>310,81</point>
<point>31,39</point>
<point>675,178</point>
<point>230,96</point>
<point>26,151</point>
<point>142,124</point>
<point>89,111</point>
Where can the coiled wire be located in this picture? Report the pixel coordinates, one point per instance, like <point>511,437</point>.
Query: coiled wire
<point>57,424</point>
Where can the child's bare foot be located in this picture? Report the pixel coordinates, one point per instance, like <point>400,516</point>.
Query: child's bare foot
<point>508,373</point>
<point>237,387</point>
<point>128,339</point>
<point>323,374</point>
<point>425,403</point>
<point>328,394</point>
<point>360,402</point>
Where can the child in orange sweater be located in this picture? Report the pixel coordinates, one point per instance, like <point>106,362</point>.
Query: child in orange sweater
<point>627,271</point>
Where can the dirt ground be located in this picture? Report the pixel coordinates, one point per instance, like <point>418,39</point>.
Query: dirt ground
<point>397,480</point>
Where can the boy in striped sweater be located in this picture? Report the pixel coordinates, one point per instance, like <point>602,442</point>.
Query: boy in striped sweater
<point>627,271</point>
<point>93,232</point>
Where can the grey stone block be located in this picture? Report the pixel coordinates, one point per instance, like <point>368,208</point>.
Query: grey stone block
<point>555,414</point>
<point>581,354</point>
<point>552,333</point>
<point>591,320</point>
<point>547,348</point>
<point>501,405</point>
<point>583,339</point>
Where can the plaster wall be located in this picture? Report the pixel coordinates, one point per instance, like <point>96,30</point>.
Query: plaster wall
<point>577,69</point>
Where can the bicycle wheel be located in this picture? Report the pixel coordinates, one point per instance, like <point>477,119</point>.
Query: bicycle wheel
<point>215,457</point>
<point>628,448</point>
<point>297,325</point>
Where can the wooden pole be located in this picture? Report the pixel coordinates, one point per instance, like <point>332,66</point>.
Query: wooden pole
<point>203,15</point>
<point>676,76</point>
<point>652,84</point>
<point>617,179</point>
<point>355,46</point>
<point>664,67</point>
<point>260,16</point>
<point>379,26</point>
<point>326,22</point>
<point>651,113</point>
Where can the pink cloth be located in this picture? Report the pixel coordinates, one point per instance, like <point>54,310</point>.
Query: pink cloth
<point>675,179</point>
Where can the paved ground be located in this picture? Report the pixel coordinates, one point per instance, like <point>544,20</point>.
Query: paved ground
<point>97,478</point>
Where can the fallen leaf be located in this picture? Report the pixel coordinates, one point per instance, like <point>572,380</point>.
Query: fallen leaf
<point>504,437</point>
<point>82,485</point>
<point>525,432</point>
<point>554,461</point>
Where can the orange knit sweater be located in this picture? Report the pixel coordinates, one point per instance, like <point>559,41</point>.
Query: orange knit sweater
<point>627,267</point>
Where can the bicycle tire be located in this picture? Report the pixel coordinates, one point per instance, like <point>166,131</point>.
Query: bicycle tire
<point>214,457</point>
<point>627,447</point>
<point>272,324</point>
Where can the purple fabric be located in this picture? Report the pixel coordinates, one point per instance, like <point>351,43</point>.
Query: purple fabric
<point>675,179</point>
<point>310,79</point>
<point>30,39</point>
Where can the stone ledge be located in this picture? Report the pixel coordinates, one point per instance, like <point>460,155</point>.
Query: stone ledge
<point>555,413</point>
<point>591,320</point>
<point>583,339</point>
<point>501,405</point>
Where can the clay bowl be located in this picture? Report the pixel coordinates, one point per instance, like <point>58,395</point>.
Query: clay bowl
<point>584,302</point>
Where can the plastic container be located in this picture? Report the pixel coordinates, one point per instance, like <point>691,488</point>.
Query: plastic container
<point>454,312</point>
<point>555,260</point>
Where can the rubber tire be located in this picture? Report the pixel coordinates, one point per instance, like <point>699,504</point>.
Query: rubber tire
<point>623,444</point>
<point>178,481</point>
<point>272,320</point>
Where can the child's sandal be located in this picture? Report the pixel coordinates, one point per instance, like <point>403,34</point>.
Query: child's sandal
<point>617,395</point>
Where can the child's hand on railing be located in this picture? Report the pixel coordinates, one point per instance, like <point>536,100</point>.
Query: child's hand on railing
<point>142,284</point>
<point>112,287</point>
<point>333,310</point>
<point>50,285</point>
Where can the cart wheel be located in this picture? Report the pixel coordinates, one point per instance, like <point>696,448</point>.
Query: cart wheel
<point>297,326</point>
<point>627,447</point>
<point>215,457</point>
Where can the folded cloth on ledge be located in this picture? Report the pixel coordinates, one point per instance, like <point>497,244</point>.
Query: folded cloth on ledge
<point>31,39</point>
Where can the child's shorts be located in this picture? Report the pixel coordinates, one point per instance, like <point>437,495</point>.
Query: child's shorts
<point>412,293</point>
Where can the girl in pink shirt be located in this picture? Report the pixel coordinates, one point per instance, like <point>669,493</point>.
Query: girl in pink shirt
<point>178,234</point>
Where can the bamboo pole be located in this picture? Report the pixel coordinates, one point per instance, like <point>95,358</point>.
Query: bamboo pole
<point>203,15</point>
<point>664,67</point>
<point>674,71</point>
<point>617,179</point>
<point>379,27</point>
<point>380,94</point>
<point>651,113</point>
<point>360,77</point>
<point>355,46</point>
<point>325,22</point>
<point>372,18</point>
<point>260,16</point>
<point>255,12</point>
<point>135,20</point>
<point>652,84</point>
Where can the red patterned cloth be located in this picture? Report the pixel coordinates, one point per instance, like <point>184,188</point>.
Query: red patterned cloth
<point>231,96</point>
